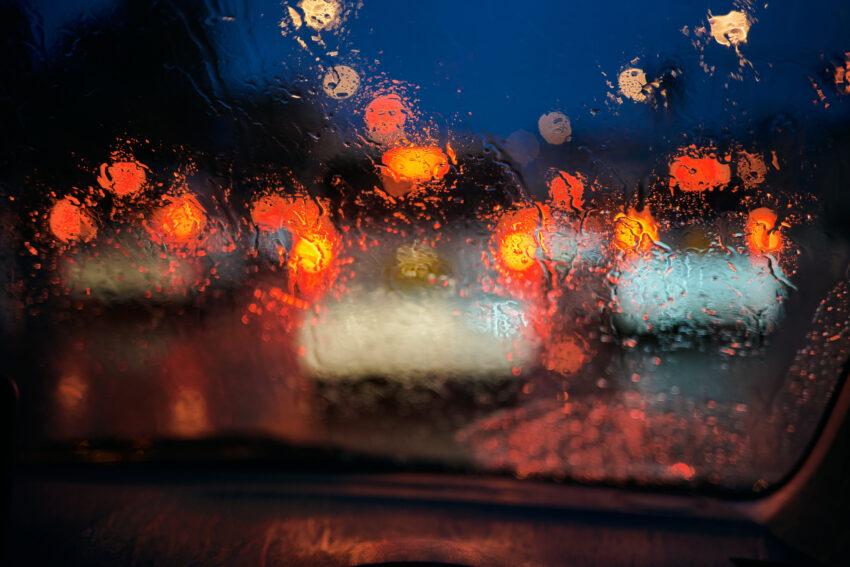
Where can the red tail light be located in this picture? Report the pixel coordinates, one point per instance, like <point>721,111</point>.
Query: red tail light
<point>180,221</point>
<point>122,178</point>
<point>69,221</point>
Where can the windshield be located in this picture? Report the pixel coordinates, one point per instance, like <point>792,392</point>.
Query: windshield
<point>603,242</point>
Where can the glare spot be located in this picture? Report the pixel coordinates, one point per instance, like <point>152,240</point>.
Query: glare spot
<point>555,128</point>
<point>631,82</point>
<point>341,82</point>
<point>731,29</point>
<point>417,164</point>
<point>321,14</point>
<point>416,341</point>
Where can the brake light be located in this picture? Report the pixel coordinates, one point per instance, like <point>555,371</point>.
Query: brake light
<point>297,214</point>
<point>122,178</point>
<point>269,212</point>
<point>697,174</point>
<point>69,221</point>
<point>181,220</point>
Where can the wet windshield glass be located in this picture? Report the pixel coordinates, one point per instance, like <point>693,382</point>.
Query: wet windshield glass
<point>604,243</point>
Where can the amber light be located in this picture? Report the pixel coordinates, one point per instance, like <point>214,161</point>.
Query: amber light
<point>416,164</point>
<point>696,174</point>
<point>181,220</point>
<point>517,241</point>
<point>635,231</point>
<point>122,178</point>
<point>762,234</point>
<point>70,222</point>
<point>312,253</point>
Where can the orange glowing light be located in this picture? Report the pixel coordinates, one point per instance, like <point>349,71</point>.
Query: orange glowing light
<point>69,221</point>
<point>189,416</point>
<point>312,253</point>
<point>682,470</point>
<point>181,220</point>
<point>71,391</point>
<point>451,153</point>
<point>635,232</point>
<point>297,214</point>
<point>763,235</point>
<point>517,250</point>
<point>315,238</point>
<point>697,174</point>
<point>516,237</point>
<point>386,115</point>
<point>416,164</point>
<point>567,190</point>
<point>123,178</point>
<point>269,212</point>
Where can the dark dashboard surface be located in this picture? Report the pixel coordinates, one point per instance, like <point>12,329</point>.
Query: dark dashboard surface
<point>197,517</point>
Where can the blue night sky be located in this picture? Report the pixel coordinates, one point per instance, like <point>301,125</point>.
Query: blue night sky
<point>496,66</point>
